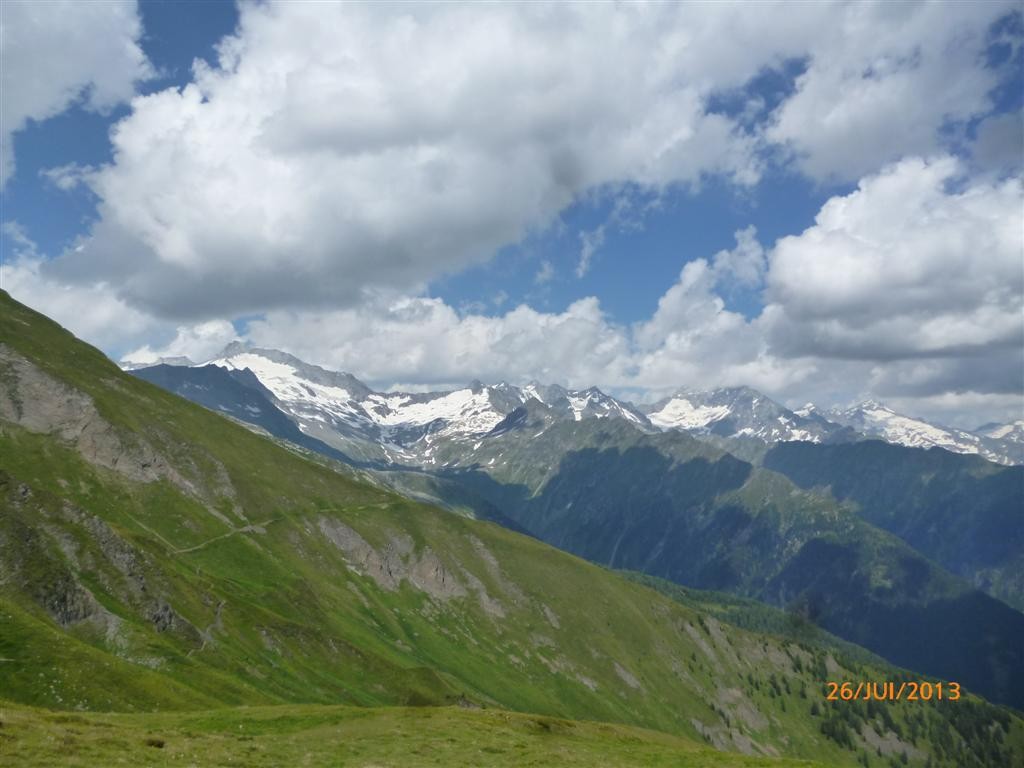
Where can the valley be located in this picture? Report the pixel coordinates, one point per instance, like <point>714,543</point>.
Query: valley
<point>160,557</point>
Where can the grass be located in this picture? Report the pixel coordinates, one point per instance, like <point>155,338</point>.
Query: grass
<point>335,736</point>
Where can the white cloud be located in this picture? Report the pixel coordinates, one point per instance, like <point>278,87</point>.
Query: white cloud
<point>903,268</point>
<point>198,342</point>
<point>883,79</point>
<point>590,242</point>
<point>56,53</point>
<point>340,155</point>
<point>422,340</point>
<point>344,147</point>
<point>69,176</point>
<point>340,148</point>
<point>743,266</point>
<point>905,289</point>
<point>545,273</point>
<point>91,311</point>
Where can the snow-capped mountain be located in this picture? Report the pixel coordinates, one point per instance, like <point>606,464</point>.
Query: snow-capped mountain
<point>739,412</point>
<point>1012,432</point>
<point>873,419</point>
<point>134,365</point>
<point>583,404</point>
<point>341,411</point>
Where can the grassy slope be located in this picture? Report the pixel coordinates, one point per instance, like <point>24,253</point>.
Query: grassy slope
<point>920,495</point>
<point>315,736</point>
<point>274,614</point>
<point>757,617</point>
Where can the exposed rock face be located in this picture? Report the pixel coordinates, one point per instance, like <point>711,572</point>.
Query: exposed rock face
<point>395,562</point>
<point>626,676</point>
<point>163,616</point>
<point>40,403</point>
<point>66,600</point>
<point>119,553</point>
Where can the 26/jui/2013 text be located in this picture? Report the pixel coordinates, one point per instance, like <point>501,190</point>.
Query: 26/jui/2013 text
<point>891,691</point>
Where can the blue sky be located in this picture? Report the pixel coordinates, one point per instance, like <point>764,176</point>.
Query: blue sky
<point>428,194</point>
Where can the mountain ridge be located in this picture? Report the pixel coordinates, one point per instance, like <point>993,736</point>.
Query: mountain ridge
<point>739,412</point>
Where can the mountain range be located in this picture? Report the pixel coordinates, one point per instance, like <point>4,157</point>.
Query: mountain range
<point>697,489</point>
<point>342,402</point>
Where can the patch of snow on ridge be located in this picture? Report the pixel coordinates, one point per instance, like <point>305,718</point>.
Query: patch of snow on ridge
<point>628,414</point>
<point>914,433</point>
<point>1012,431</point>
<point>285,382</point>
<point>299,396</point>
<point>465,410</point>
<point>680,412</point>
<point>578,405</point>
<point>531,391</point>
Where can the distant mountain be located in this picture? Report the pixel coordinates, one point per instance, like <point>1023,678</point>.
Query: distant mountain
<point>343,412</point>
<point>961,511</point>
<point>400,427</point>
<point>1013,431</point>
<point>131,365</point>
<point>235,393</point>
<point>741,412</point>
<point>874,419</point>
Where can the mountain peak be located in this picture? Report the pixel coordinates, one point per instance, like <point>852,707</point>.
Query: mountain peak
<point>234,348</point>
<point>872,405</point>
<point>134,365</point>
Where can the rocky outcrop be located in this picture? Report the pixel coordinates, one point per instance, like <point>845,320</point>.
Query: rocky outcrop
<point>36,401</point>
<point>395,562</point>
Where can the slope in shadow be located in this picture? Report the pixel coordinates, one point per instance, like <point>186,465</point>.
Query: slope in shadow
<point>639,509</point>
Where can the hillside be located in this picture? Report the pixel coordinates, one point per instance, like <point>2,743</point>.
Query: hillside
<point>588,475</point>
<point>671,506</point>
<point>322,736</point>
<point>156,556</point>
<point>961,511</point>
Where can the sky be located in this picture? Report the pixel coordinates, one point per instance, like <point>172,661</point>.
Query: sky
<point>822,201</point>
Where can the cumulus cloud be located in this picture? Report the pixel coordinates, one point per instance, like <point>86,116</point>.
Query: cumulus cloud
<point>423,340</point>
<point>743,266</point>
<point>338,148</point>
<point>56,53</point>
<point>903,268</point>
<point>199,342</point>
<point>883,80</point>
<point>92,311</point>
